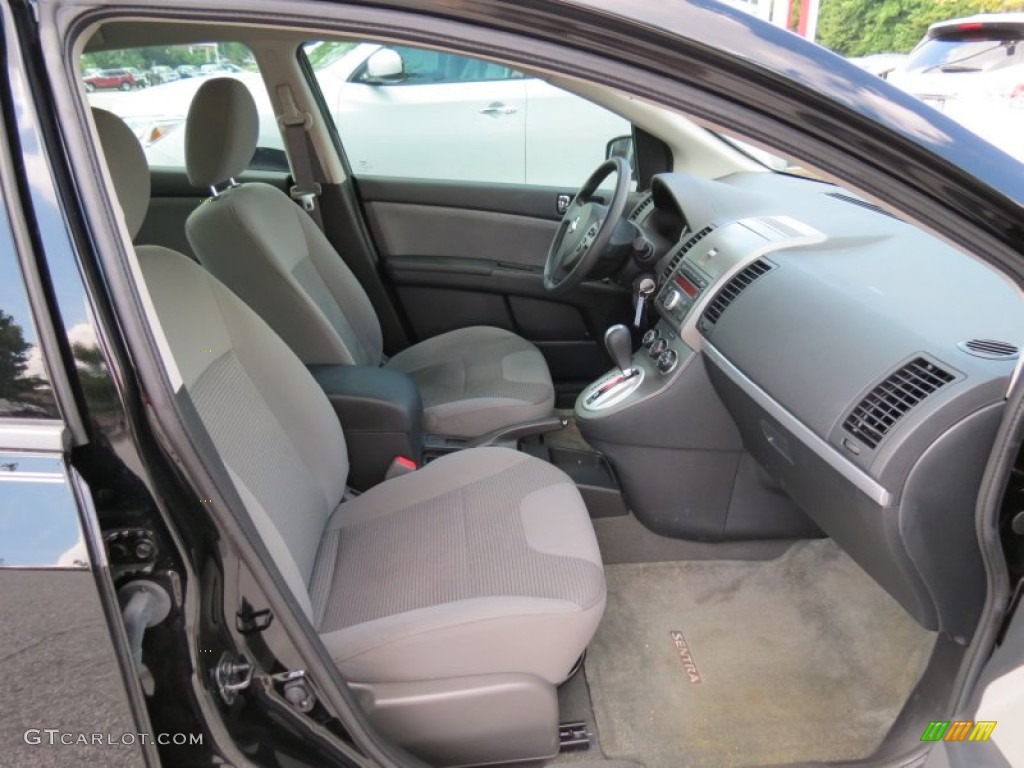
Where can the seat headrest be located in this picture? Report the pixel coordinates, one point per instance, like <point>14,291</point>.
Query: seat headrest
<point>127,165</point>
<point>220,132</point>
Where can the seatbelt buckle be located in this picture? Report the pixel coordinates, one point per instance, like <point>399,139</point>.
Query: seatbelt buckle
<point>306,195</point>
<point>400,465</point>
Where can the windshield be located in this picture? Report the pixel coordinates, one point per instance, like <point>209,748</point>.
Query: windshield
<point>979,52</point>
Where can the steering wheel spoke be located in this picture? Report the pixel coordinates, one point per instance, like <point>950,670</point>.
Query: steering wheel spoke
<point>586,228</point>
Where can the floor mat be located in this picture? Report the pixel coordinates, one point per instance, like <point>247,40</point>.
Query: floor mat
<point>722,663</point>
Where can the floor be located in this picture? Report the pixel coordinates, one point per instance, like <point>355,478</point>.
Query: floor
<point>624,539</point>
<point>772,658</point>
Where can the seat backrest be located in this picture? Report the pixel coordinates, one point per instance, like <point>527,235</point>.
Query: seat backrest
<point>272,425</point>
<point>266,249</point>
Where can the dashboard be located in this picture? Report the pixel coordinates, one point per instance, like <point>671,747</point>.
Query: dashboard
<point>862,362</point>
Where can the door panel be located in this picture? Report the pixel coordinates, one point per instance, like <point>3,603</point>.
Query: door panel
<point>412,230</point>
<point>461,254</point>
<point>518,199</point>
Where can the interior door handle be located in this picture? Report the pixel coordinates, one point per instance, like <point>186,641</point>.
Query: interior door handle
<point>497,109</point>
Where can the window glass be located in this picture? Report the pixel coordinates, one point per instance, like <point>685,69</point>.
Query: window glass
<point>421,65</point>
<point>24,383</point>
<point>967,53</point>
<point>411,112</point>
<point>151,89</point>
<point>973,71</point>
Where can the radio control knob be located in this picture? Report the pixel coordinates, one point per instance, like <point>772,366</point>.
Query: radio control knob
<point>650,337</point>
<point>672,299</point>
<point>667,361</point>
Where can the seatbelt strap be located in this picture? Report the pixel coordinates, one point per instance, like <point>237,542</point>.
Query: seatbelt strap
<point>295,126</point>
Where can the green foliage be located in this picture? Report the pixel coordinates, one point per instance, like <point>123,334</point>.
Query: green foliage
<point>862,27</point>
<point>321,55</point>
<point>113,59</point>
<point>168,55</point>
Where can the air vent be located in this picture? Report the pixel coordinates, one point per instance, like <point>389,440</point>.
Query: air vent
<point>687,246</point>
<point>862,203</point>
<point>990,349</point>
<point>739,283</point>
<point>891,400</point>
<point>643,207</point>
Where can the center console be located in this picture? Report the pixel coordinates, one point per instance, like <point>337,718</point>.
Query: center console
<point>381,413</point>
<point>657,417</point>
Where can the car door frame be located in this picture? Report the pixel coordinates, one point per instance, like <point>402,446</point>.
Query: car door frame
<point>905,183</point>
<point>49,444</point>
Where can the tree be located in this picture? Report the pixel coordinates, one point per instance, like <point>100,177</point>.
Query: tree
<point>236,53</point>
<point>862,27</point>
<point>321,55</point>
<point>129,57</point>
<point>14,352</point>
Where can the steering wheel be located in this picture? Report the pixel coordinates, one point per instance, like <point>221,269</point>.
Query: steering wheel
<point>586,228</point>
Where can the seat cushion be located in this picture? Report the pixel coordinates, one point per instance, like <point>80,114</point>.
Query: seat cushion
<point>483,562</point>
<point>476,380</point>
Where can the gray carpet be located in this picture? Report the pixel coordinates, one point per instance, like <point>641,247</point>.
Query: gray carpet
<point>624,539</point>
<point>800,658</point>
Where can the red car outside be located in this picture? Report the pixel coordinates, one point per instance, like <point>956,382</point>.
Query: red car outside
<point>111,78</point>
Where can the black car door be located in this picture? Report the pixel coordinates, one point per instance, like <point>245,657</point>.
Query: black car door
<point>64,699</point>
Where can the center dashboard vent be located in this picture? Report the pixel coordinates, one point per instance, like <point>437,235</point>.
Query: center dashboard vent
<point>737,285</point>
<point>874,416</point>
<point>642,209</point>
<point>666,273</point>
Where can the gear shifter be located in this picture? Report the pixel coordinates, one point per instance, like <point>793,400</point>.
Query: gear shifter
<point>617,385</point>
<point>619,343</point>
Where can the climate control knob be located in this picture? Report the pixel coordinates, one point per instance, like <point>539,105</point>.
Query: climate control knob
<point>650,337</point>
<point>667,360</point>
<point>659,346</point>
<point>671,299</point>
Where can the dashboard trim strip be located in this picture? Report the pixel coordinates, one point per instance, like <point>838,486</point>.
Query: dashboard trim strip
<point>865,483</point>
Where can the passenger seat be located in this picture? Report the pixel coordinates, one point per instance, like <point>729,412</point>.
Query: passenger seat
<point>473,381</point>
<point>454,598</point>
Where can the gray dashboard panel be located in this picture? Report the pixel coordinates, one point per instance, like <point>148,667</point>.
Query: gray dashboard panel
<point>799,345</point>
<point>835,317</point>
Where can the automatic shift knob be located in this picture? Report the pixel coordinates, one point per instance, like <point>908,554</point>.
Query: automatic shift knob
<point>619,343</point>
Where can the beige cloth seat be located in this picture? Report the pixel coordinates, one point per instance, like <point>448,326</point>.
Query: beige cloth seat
<point>482,563</point>
<point>258,242</point>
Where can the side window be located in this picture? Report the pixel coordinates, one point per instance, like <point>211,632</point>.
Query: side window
<point>417,113</point>
<point>420,65</point>
<point>151,89</point>
<point>24,383</point>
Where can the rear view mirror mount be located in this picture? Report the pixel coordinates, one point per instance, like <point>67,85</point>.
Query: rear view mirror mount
<point>622,146</point>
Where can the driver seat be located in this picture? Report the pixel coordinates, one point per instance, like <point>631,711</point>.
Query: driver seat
<point>258,242</point>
